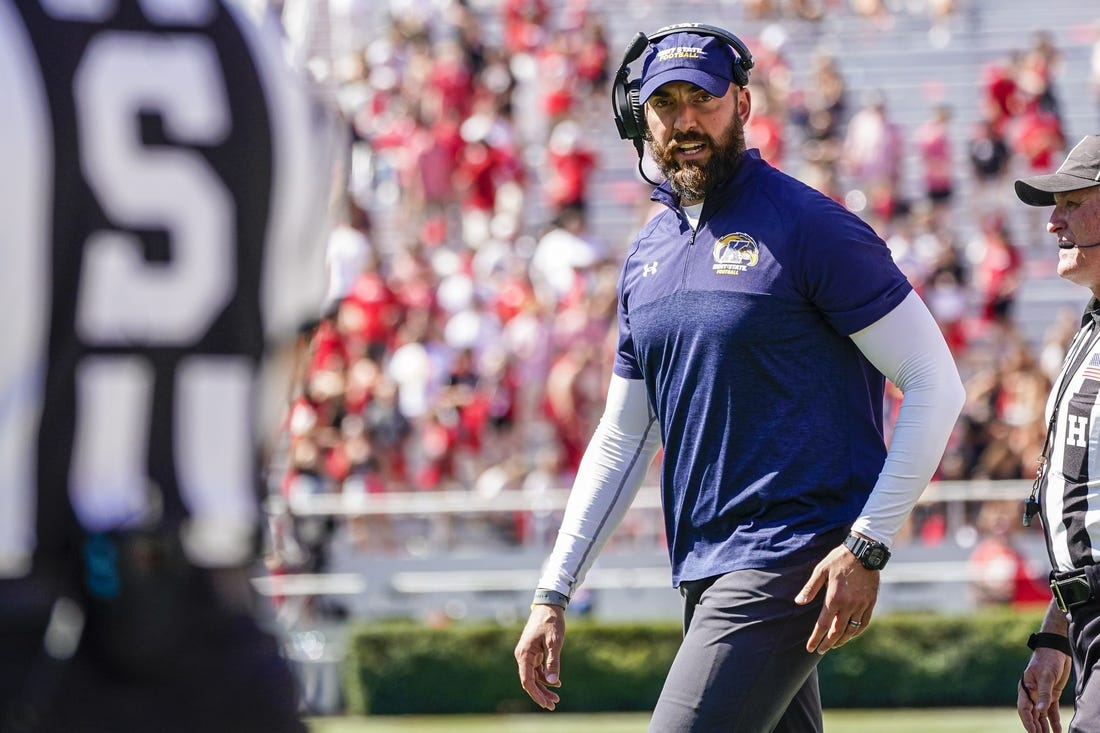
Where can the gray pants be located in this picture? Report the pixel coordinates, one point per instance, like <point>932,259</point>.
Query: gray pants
<point>743,666</point>
<point>1084,634</point>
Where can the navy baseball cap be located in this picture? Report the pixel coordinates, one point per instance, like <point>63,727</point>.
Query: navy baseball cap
<point>1081,169</point>
<point>704,61</point>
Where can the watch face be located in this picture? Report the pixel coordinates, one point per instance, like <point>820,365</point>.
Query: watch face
<point>876,557</point>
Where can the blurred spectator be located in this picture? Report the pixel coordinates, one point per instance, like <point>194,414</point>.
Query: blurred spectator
<point>591,55</point>
<point>561,254</point>
<point>557,79</point>
<point>872,157</point>
<point>367,316</point>
<point>485,164</point>
<point>450,80</point>
<point>941,13</point>
<point>1003,574</point>
<point>772,70</point>
<point>933,139</point>
<point>1038,68</point>
<point>388,431</point>
<point>820,111</point>
<point>1056,341</point>
<point>1036,137</point>
<point>989,157</point>
<point>997,270</point>
<point>574,401</point>
<point>946,293</point>
<point>570,165</point>
<point>999,102</point>
<point>348,253</point>
<point>415,366</point>
<point>765,128</point>
<point>1004,415</point>
<point>432,151</point>
<point>525,24</point>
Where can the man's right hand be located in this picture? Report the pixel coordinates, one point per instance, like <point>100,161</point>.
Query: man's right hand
<point>1046,675</point>
<point>538,654</point>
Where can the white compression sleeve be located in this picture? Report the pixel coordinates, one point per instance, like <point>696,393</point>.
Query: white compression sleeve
<point>906,345</point>
<point>610,473</point>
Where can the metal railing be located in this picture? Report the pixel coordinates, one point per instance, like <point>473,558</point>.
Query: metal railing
<point>495,577</point>
<point>552,500</point>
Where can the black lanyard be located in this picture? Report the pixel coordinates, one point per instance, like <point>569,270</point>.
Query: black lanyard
<point>1075,359</point>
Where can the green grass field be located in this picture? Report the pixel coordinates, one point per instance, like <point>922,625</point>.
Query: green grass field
<point>971,720</point>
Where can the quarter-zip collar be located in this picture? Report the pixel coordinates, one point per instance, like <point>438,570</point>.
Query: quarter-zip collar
<point>723,192</point>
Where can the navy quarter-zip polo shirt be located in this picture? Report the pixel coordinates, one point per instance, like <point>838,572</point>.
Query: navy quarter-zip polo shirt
<point>771,418</point>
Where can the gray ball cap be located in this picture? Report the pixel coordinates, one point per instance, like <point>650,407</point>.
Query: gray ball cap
<point>1080,170</point>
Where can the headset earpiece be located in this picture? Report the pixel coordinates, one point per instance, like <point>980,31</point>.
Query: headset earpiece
<point>625,101</point>
<point>629,116</point>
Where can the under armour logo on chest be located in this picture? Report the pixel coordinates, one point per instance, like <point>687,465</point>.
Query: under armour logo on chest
<point>650,268</point>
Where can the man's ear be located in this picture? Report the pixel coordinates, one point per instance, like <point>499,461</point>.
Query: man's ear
<point>744,103</point>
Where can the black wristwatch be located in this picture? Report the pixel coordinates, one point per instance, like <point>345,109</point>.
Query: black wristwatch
<point>873,555</point>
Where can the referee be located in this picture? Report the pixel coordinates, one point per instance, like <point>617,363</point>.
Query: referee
<point>164,202</point>
<point>1065,491</point>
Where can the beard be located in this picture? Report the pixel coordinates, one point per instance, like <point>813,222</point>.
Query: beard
<point>690,180</point>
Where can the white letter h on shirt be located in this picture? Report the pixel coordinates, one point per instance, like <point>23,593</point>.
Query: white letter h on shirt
<point>1077,431</point>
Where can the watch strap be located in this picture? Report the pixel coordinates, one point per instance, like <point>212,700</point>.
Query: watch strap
<point>1046,640</point>
<point>862,547</point>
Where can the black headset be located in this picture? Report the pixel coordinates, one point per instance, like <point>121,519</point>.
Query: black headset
<point>629,115</point>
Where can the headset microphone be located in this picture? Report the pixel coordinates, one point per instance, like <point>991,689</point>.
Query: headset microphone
<point>1071,245</point>
<point>637,47</point>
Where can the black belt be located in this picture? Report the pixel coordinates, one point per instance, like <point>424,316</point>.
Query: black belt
<point>1071,589</point>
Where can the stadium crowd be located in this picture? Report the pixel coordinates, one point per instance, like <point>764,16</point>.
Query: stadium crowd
<point>471,315</point>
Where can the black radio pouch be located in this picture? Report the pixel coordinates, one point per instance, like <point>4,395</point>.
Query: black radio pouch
<point>143,598</point>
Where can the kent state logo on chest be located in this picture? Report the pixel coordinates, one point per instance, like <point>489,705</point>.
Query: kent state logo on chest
<point>735,253</point>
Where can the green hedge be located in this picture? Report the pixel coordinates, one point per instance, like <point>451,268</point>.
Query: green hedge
<point>900,660</point>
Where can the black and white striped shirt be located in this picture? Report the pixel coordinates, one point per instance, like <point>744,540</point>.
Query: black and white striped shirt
<point>164,202</point>
<point>1070,490</point>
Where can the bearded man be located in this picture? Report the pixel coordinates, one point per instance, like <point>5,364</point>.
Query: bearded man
<point>758,322</point>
